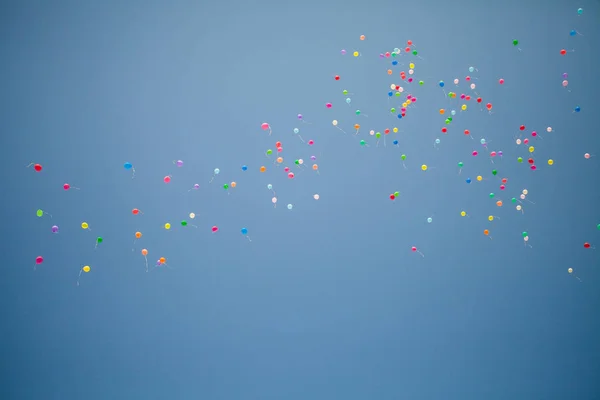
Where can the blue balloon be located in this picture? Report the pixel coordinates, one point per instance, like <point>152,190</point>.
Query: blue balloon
<point>127,165</point>
<point>390,94</point>
<point>244,167</point>
<point>441,83</point>
<point>395,142</point>
<point>394,62</point>
<point>244,231</point>
<point>399,116</point>
<point>468,180</point>
<point>577,109</point>
<point>573,32</point>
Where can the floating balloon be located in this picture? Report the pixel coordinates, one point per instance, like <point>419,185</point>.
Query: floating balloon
<point>129,166</point>
<point>40,213</point>
<point>214,228</point>
<point>266,127</point>
<point>415,250</point>
<point>36,167</point>
<point>85,269</point>
<point>85,225</point>
<point>55,229</point>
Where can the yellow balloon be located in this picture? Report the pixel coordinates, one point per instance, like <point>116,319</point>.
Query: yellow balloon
<point>86,268</point>
<point>491,217</point>
<point>480,178</point>
<point>395,130</point>
<point>167,226</point>
<point>463,214</point>
<point>408,102</point>
<point>84,225</point>
<point>424,167</point>
<point>404,104</point>
<point>463,107</point>
<point>531,149</point>
<point>550,162</point>
<point>355,54</point>
<point>411,65</point>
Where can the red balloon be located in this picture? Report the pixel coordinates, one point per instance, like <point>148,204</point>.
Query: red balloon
<point>37,167</point>
<point>337,77</point>
<point>563,52</point>
<point>66,186</point>
<point>522,127</point>
<point>586,245</point>
<point>392,197</point>
<point>479,100</point>
<point>135,211</point>
<point>444,130</point>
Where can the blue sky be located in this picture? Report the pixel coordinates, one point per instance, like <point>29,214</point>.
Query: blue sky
<point>327,300</point>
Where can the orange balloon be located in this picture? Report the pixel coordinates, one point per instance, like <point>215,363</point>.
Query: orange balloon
<point>389,71</point>
<point>499,203</point>
<point>162,260</point>
<point>442,111</point>
<point>362,37</point>
<point>279,160</point>
<point>263,168</point>
<point>138,235</point>
<point>233,184</point>
<point>486,232</point>
<point>144,252</point>
<point>315,167</point>
<point>356,126</point>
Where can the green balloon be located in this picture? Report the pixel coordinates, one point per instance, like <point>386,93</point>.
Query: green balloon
<point>39,213</point>
<point>362,142</point>
<point>378,135</point>
<point>514,200</point>
<point>520,159</point>
<point>357,112</point>
<point>515,42</point>
<point>396,194</point>
<point>598,226</point>
<point>415,53</point>
<point>403,157</point>
<point>345,92</point>
<point>99,239</point>
<point>447,121</point>
<point>460,164</point>
<point>184,223</point>
<point>492,195</point>
<point>525,234</point>
<point>297,162</point>
<point>494,172</point>
<point>421,83</point>
<point>225,186</point>
<point>393,110</point>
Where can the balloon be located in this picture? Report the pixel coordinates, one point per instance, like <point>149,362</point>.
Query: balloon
<point>86,268</point>
<point>424,167</point>
<point>127,165</point>
<point>463,214</point>
<point>263,169</point>
<point>501,81</point>
<point>579,11</point>
<point>586,245</point>
<point>586,156</point>
<point>577,109</point>
<point>468,180</point>
<point>184,223</point>
<point>167,226</point>
<point>135,211</point>
<point>429,220</point>
<point>244,167</point>
<point>216,171</point>
<point>337,77</point>
<point>192,215</point>
<point>179,163</point>
<point>55,229</point>
<point>515,42</point>
<point>244,231</point>
<point>39,260</point>
<point>570,270</point>
<point>144,252</point>
<point>316,197</point>
<point>39,213</point>
<point>167,179</point>
<point>138,235</point>
<point>328,105</point>
<point>550,162</point>
<point>214,228</point>
<point>84,225</point>
<point>290,206</point>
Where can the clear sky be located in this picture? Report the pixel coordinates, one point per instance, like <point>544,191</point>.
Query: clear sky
<point>327,301</point>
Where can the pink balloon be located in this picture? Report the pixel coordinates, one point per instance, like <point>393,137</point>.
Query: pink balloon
<point>264,126</point>
<point>328,105</point>
<point>66,186</point>
<point>533,167</point>
<point>215,228</point>
<point>474,153</point>
<point>587,155</point>
<point>525,141</point>
<point>502,187</point>
<point>287,169</point>
<point>311,142</point>
<point>167,179</point>
<point>534,133</point>
<point>39,260</point>
<point>291,175</point>
<point>501,81</point>
<point>413,248</point>
<point>493,154</point>
<point>565,83</point>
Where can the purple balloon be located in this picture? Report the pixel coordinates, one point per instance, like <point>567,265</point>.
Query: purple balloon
<point>500,153</point>
<point>196,186</point>
<point>299,116</point>
<point>343,52</point>
<point>179,163</point>
<point>565,75</point>
<point>55,229</point>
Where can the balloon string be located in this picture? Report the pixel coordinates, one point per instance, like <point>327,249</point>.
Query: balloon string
<point>27,166</point>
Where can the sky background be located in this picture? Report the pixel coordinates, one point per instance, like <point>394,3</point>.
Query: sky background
<point>327,301</point>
